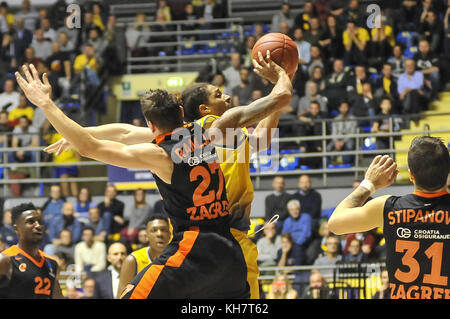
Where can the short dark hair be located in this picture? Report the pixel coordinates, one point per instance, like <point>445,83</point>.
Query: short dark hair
<point>162,109</point>
<point>88,228</point>
<point>157,215</point>
<point>16,211</point>
<point>191,98</point>
<point>429,162</point>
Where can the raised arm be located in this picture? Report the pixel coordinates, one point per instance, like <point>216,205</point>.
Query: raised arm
<point>350,216</point>
<point>139,156</point>
<point>243,116</point>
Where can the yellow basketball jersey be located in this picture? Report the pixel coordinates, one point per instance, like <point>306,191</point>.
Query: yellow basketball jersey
<point>235,165</point>
<point>142,257</point>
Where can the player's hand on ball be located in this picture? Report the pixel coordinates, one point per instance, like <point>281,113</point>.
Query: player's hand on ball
<point>382,172</point>
<point>37,92</point>
<point>58,147</point>
<point>266,68</point>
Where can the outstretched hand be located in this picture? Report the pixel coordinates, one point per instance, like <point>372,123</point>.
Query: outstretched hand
<point>266,68</point>
<point>37,92</point>
<point>382,172</point>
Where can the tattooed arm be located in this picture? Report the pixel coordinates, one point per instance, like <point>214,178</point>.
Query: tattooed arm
<point>351,216</point>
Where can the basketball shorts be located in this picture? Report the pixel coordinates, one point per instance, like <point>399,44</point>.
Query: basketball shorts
<point>250,252</point>
<point>197,264</point>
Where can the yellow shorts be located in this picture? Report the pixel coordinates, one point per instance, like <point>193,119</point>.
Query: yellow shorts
<point>251,255</point>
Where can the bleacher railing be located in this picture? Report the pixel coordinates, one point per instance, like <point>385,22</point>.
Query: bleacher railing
<point>257,159</point>
<point>192,48</point>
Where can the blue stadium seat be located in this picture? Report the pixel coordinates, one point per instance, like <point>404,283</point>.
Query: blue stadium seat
<point>288,162</point>
<point>327,212</point>
<point>406,38</point>
<point>1,172</point>
<point>410,52</point>
<point>345,165</point>
<point>369,144</point>
<point>188,48</point>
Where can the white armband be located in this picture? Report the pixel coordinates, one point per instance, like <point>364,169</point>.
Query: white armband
<point>368,185</point>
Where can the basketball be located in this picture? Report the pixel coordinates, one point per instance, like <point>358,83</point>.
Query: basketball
<point>283,51</point>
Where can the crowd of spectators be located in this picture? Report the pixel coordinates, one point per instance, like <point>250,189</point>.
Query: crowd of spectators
<point>301,237</point>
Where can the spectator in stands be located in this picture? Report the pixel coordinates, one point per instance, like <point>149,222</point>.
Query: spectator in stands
<point>275,203</point>
<point>53,206</point>
<point>386,85</point>
<point>7,232</point>
<point>310,200</point>
<point>66,45</point>
<point>317,246</point>
<point>242,93</point>
<point>268,246</point>
<point>22,38</point>
<point>302,19</point>
<point>336,85</point>
<point>311,95</point>
<point>384,292</point>
<point>310,126</point>
<point>354,13</point>
<point>90,254</point>
<point>28,14</point>
<point>6,17</point>
<point>231,73</point>
<point>136,217</point>
<point>99,16</point>
<point>367,240</point>
<point>246,51</point>
<point>219,81</point>
<point>344,124</point>
<point>42,47</point>
<point>135,36</point>
<point>410,89</point>
<point>281,288</point>
<point>189,14</point>
<point>107,282</point>
<point>86,25</point>
<point>142,238</point>
<point>165,10</point>
<point>431,30</point>
<point>9,95</point>
<point>57,13</point>
<point>427,62</point>
<point>382,125</point>
<point>303,47</point>
<point>364,104</point>
<point>316,59</point>
<point>258,31</point>
<point>23,109</point>
<point>397,61</point>
<point>25,135</point>
<point>65,220</point>
<point>381,44</point>
<point>99,43</point>
<point>313,34</point>
<point>114,207</point>
<point>99,224</point>
<point>8,61</point>
<point>68,171</point>
<point>49,33</point>
<point>331,40</point>
<point>332,255</point>
<point>290,254</point>
<point>355,40</point>
<point>60,67</point>
<point>284,15</point>
<point>63,244</point>
<point>317,76</point>
<point>354,252</point>
<point>83,204</point>
<point>211,10</point>
<point>318,288</point>
<point>88,61</point>
<point>360,77</point>
<point>298,224</point>
<point>30,58</point>
<point>88,288</point>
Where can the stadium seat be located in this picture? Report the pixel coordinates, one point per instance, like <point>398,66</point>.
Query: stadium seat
<point>288,162</point>
<point>369,144</point>
<point>406,38</point>
<point>345,165</point>
<point>410,52</point>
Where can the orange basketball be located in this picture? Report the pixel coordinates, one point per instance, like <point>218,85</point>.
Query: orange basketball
<point>283,51</point>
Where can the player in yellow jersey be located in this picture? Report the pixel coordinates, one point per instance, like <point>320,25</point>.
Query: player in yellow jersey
<point>205,103</point>
<point>158,232</point>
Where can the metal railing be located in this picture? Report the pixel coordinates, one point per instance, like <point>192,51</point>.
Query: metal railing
<point>356,168</point>
<point>219,40</point>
